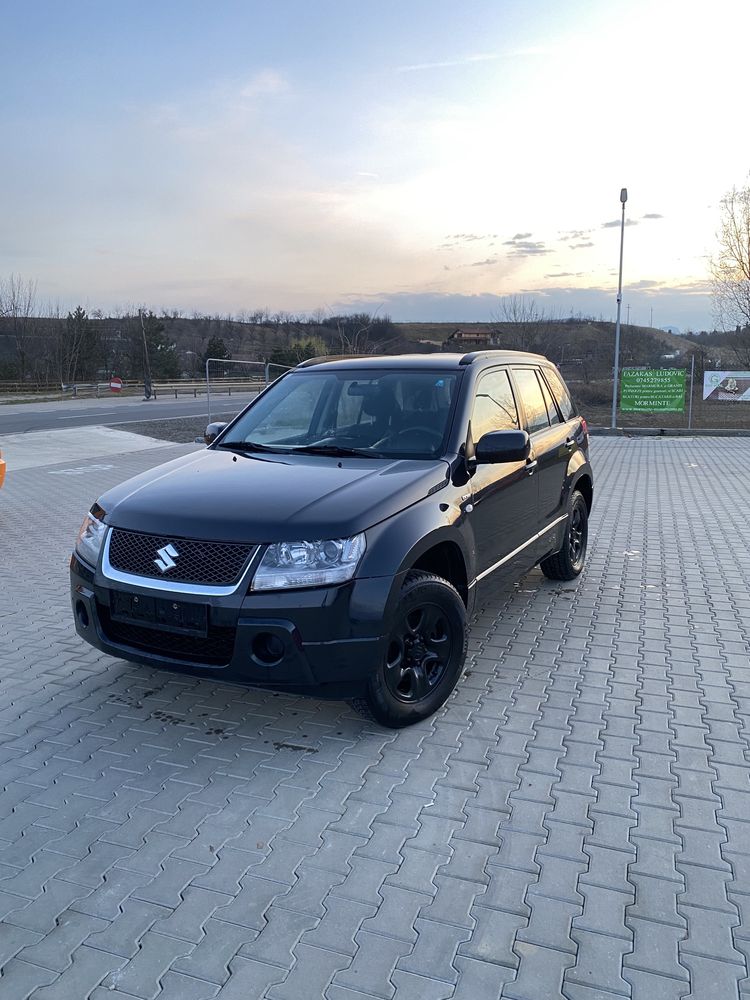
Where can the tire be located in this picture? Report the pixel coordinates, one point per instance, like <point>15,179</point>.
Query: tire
<point>424,654</point>
<point>569,561</point>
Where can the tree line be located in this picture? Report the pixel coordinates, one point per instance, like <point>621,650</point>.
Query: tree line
<point>43,345</point>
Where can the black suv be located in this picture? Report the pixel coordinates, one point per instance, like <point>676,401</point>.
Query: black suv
<point>335,537</point>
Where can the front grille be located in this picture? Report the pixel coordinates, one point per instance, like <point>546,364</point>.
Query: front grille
<point>215,649</point>
<point>218,564</point>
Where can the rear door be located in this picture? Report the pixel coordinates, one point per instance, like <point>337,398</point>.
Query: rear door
<point>504,496</point>
<point>549,436</point>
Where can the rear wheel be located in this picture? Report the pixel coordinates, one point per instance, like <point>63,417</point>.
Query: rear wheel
<point>424,654</point>
<point>569,561</point>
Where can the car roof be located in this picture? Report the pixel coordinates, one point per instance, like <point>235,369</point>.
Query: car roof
<point>426,362</point>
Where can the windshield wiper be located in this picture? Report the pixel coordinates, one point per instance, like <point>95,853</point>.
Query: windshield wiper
<point>247,446</point>
<point>335,450</point>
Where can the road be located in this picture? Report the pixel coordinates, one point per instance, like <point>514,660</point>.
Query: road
<point>18,418</point>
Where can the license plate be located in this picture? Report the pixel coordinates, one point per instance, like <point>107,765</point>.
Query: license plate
<point>159,613</point>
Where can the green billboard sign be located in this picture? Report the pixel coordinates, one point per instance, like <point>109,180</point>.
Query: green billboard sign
<point>652,390</point>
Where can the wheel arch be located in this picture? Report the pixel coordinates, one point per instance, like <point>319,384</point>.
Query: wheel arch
<point>585,487</point>
<point>445,559</point>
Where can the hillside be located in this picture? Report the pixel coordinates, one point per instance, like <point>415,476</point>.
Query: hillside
<point>51,350</point>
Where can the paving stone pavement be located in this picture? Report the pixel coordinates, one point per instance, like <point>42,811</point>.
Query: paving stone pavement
<point>575,823</point>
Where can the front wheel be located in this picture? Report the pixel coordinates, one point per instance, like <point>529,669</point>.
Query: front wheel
<point>424,654</point>
<point>568,562</point>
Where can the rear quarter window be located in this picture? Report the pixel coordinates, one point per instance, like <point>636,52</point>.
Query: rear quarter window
<point>560,392</point>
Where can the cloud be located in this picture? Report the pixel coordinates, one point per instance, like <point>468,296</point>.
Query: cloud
<point>652,215</point>
<point>456,239</point>
<point>575,234</point>
<point>617,222</point>
<point>566,274</point>
<point>478,57</point>
<point>484,263</point>
<point>522,246</point>
<point>580,246</point>
<point>266,83</point>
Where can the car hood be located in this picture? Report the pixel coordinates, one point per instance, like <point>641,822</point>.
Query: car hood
<point>224,496</point>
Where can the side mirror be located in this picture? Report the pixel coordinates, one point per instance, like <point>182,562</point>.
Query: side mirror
<point>503,446</point>
<point>213,431</point>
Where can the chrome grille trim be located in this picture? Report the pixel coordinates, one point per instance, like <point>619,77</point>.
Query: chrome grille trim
<point>175,586</point>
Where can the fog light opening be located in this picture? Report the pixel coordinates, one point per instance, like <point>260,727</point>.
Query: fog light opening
<point>82,614</point>
<point>268,649</point>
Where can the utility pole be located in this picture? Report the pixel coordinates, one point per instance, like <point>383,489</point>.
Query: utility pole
<point>146,360</point>
<point>623,199</point>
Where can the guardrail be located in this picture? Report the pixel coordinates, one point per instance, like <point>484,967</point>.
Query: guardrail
<point>99,389</point>
<point>198,388</point>
<point>10,387</point>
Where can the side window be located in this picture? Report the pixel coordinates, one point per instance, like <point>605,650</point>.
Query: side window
<point>532,398</point>
<point>554,416</point>
<point>560,392</point>
<point>494,406</point>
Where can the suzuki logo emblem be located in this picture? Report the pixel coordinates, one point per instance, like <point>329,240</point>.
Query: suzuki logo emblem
<point>167,557</point>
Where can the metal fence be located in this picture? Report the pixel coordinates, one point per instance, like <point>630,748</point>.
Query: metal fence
<point>247,376</point>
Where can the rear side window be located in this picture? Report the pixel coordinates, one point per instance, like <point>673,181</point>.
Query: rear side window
<point>494,406</point>
<point>532,399</point>
<point>554,416</point>
<point>560,392</point>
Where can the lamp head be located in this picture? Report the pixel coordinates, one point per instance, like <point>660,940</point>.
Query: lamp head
<point>624,195</point>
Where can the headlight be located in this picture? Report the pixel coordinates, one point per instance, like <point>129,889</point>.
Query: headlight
<point>91,536</point>
<point>308,564</point>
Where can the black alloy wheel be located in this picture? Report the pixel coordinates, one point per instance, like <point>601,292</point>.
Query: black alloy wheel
<point>577,536</point>
<point>418,652</point>
<point>424,654</point>
<point>568,563</point>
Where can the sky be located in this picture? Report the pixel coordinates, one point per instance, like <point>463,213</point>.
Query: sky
<point>420,159</point>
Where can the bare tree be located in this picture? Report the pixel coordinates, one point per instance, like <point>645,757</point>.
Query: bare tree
<point>730,270</point>
<point>523,325</point>
<point>18,308</point>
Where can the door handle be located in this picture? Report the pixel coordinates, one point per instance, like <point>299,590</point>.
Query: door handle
<point>531,466</point>
<point>570,443</point>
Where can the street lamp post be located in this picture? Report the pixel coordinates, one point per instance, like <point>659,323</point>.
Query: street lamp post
<point>623,199</point>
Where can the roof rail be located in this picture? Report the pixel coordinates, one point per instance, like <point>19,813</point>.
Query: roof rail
<point>472,356</point>
<point>329,357</point>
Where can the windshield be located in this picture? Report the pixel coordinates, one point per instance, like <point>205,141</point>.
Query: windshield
<point>384,414</point>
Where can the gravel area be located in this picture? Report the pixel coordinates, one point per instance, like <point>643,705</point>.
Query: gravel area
<point>182,430</point>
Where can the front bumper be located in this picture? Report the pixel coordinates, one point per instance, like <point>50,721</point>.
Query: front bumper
<point>324,641</point>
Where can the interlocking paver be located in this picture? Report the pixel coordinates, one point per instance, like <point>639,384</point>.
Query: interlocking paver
<point>210,959</point>
<point>56,949</point>
<point>122,935</point>
<point>87,969</point>
<point>573,823</point>
<point>142,975</point>
<point>341,921</point>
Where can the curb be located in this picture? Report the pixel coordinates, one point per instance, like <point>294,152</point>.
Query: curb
<point>669,432</point>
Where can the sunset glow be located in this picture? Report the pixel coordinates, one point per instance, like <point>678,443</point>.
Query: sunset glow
<point>418,158</point>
